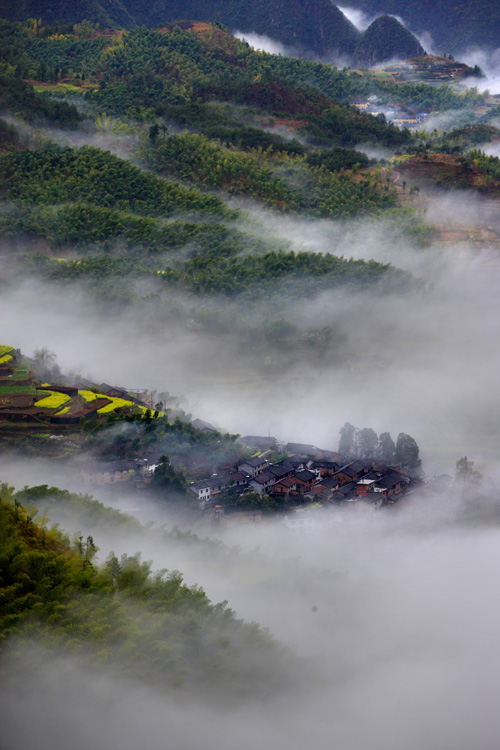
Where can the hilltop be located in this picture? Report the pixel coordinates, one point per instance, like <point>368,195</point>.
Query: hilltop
<point>454,25</point>
<point>307,27</point>
<point>386,39</point>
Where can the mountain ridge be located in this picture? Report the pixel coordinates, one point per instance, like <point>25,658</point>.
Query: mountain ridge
<point>307,27</point>
<point>455,25</point>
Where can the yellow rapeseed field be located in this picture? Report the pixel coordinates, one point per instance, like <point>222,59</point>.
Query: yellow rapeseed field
<point>116,403</point>
<point>89,396</point>
<point>53,400</point>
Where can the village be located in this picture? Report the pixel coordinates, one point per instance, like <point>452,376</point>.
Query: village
<point>261,474</point>
<point>433,70</point>
<point>306,475</point>
<point>394,114</point>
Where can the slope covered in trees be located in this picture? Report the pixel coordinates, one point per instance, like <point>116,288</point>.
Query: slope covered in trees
<point>304,26</point>
<point>199,119</point>
<point>152,627</point>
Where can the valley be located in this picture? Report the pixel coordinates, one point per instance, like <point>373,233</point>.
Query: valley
<point>249,420</point>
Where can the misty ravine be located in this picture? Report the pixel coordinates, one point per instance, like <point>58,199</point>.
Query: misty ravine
<point>249,434</point>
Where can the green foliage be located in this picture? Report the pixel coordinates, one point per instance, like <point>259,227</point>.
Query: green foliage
<point>232,500</point>
<point>193,157</point>
<point>347,440</point>
<point>136,435</point>
<point>427,98</point>
<point>19,98</point>
<point>148,625</point>
<point>344,126</point>
<point>167,480</point>
<point>257,275</point>
<point>9,137</point>
<point>489,165</point>
<point>386,448</point>
<point>62,175</point>
<point>89,227</point>
<point>338,158</point>
<point>407,453</point>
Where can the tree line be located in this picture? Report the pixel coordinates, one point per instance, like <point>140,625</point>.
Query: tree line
<point>364,443</point>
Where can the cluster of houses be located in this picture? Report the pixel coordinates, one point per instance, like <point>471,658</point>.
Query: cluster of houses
<point>309,474</point>
<point>396,115</point>
<point>137,472</point>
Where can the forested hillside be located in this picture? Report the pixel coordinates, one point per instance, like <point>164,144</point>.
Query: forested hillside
<point>306,27</point>
<point>118,614</point>
<point>198,121</point>
<point>186,132</point>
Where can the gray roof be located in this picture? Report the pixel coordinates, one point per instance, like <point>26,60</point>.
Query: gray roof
<point>389,481</point>
<point>305,475</point>
<point>264,478</point>
<point>347,489</point>
<point>281,469</point>
<point>303,449</point>
<point>329,482</point>
<point>320,464</point>
<point>255,461</point>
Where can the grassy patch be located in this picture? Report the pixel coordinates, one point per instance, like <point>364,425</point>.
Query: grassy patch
<point>16,389</point>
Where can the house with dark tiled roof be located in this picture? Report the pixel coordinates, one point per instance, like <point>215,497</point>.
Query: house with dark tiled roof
<point>284,486</point>
<point>208,489</point>
<point>300,463</point>
<point>324,455</point>
<point>326,468</point>
<point>282,469</point>
<point>353,471</point>
<point>262,483</point>
<point>389,486</point>
<point>345,492</point>
<point>253,466</point>
<point>308,478</point>
<point>262,442</point>
<point>200,424</point>
<point>303,449</point>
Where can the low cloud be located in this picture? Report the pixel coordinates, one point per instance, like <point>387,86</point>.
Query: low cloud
<point>391,611</point>
<point>489,62</point>
<point>261,42</point>
<point>357,17</point>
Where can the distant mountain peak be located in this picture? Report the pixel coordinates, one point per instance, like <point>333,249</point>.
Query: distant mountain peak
<point>386,38</point>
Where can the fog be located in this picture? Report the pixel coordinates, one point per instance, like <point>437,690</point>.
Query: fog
<point>423,362</point>
<point>392,613</point>
<point>489,62</point>
<point>391,617</point>
<point>357,17</point>
<point>261,42</point>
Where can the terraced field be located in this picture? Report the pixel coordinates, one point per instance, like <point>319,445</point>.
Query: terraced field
<point>23,400</point>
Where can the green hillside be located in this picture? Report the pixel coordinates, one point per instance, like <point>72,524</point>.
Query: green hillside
<point>207,131</point>
<point>120,617</point>
<point>305,26</point>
